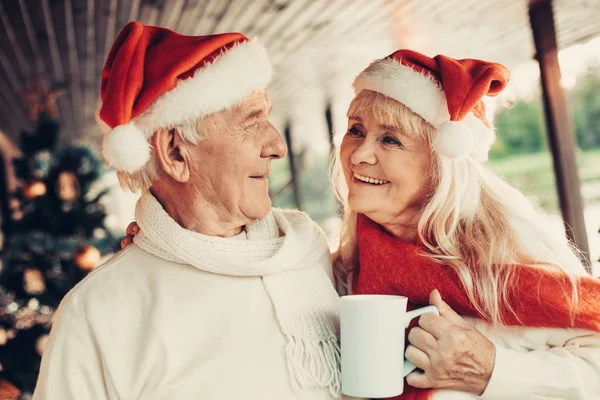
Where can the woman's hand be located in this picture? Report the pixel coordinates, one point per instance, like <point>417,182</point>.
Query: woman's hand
<point>452,354</point>
<point>132,230</point>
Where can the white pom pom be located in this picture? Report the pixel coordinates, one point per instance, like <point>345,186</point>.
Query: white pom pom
<point>483,137</point>
<point>453,139</point>
<point>126,148</point>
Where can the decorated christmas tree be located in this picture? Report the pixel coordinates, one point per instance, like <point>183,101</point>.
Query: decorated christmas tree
<point>56,237</point>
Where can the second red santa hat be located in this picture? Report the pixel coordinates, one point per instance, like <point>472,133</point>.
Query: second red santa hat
<point>445,92</point>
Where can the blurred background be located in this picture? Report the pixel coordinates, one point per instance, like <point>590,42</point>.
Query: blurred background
<point>62,212</point>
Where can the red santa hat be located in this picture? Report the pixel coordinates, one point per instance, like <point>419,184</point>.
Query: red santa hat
<point>155,78</point>
<point>445,92</point>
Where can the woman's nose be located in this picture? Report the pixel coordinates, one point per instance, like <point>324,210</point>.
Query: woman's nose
<point>364,153</point>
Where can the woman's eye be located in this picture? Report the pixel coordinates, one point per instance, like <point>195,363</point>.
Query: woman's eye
<point>391,140</point>
<point>355,133</point>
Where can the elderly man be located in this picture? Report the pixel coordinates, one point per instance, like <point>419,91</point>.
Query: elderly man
<point>221,297</point>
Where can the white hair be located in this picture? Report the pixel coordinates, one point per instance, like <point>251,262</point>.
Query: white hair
<point>191,132</point>
<point>472,221</point>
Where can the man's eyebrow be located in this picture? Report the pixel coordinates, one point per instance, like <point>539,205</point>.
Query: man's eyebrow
<point>257,112</point>
<point>355,117</point>
<point>253,114</point>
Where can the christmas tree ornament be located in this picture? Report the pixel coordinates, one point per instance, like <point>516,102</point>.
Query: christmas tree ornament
<point>17,215</point>
<point>33,303</point>
<point>87,258</point>
<point>12,307</point>
<point>33,281</point>
<point>14,203</point>
<point>3,336</point>
<point>41,100</point>
<point>8,391</point>
<point>34,189</point>
<point>67,186</point>
<point>25,320</point>
<point>40,164</point>
<point>100,233</point>
<point>40,344</point>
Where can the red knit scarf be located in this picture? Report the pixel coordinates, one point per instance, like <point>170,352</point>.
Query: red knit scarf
<point>392,266</point>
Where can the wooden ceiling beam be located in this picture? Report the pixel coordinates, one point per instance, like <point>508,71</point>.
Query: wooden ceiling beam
<point>171,13</point>
<point>15,83</point>
<point>219,16</point>
<point>228,20</point>
<point>134,10</point>
<point>74,73</point>
<point>263,19</point>
<point>299,40</point>
<point>271,31</point>
<point>35,47</point>
<point>90,80</point>
<point>204,20</point>
<point>66,114</point>
<point>188,21</point>
<point>110,27</point>
<point>347,34</point>
<point>17,108</point>
<point>245,23</point>
<point>243,20</point>
<point>21,60</point>
<point>59,72</point>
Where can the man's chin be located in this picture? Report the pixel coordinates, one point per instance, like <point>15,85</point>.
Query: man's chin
<point>258,210</point>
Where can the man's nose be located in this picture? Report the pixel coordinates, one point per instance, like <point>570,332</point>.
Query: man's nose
<point>274,146</point>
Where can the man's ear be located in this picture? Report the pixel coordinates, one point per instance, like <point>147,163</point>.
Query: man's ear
<point>172,154</point>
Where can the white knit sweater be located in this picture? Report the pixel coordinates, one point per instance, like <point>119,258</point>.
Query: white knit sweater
<point>141,327</point>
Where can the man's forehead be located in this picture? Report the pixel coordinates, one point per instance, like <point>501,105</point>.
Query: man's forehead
<point>258,99</point>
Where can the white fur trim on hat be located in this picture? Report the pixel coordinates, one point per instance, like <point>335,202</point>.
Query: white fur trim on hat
<point>469,137</point>
<point>227,81</point>
<point>419,92</point>
<point>483,137</point>
<point>126,148</point>
<point>453,139</point>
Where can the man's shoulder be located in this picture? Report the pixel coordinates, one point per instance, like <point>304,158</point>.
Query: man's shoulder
<point>117,280</point>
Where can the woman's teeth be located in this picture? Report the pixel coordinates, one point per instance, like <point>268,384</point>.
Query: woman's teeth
<point>369,180</point>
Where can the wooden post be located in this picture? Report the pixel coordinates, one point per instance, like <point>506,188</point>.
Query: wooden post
<point>329,121</point>
<point>559,128</point>
<point>339,208</point>
<point>293,170</point>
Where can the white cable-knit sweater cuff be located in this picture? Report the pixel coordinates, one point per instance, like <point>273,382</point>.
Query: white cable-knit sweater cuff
<point>514,376</point>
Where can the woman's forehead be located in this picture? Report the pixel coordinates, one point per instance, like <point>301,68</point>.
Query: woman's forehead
<point>386,123</point>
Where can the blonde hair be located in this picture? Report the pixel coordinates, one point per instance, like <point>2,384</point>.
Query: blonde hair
<point>465,202</point>
<point>191,133</point>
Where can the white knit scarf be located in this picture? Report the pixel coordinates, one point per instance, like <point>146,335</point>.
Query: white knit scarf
<point>291,265</point>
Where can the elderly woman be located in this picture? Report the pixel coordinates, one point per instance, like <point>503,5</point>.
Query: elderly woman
<point>424,219</point>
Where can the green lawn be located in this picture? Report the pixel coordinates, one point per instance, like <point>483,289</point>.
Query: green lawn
<point>533,174</point>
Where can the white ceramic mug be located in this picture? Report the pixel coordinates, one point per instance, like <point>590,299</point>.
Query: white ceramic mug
<point>372,341</point>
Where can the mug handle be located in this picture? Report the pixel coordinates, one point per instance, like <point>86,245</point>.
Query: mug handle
<point>410,315</point>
